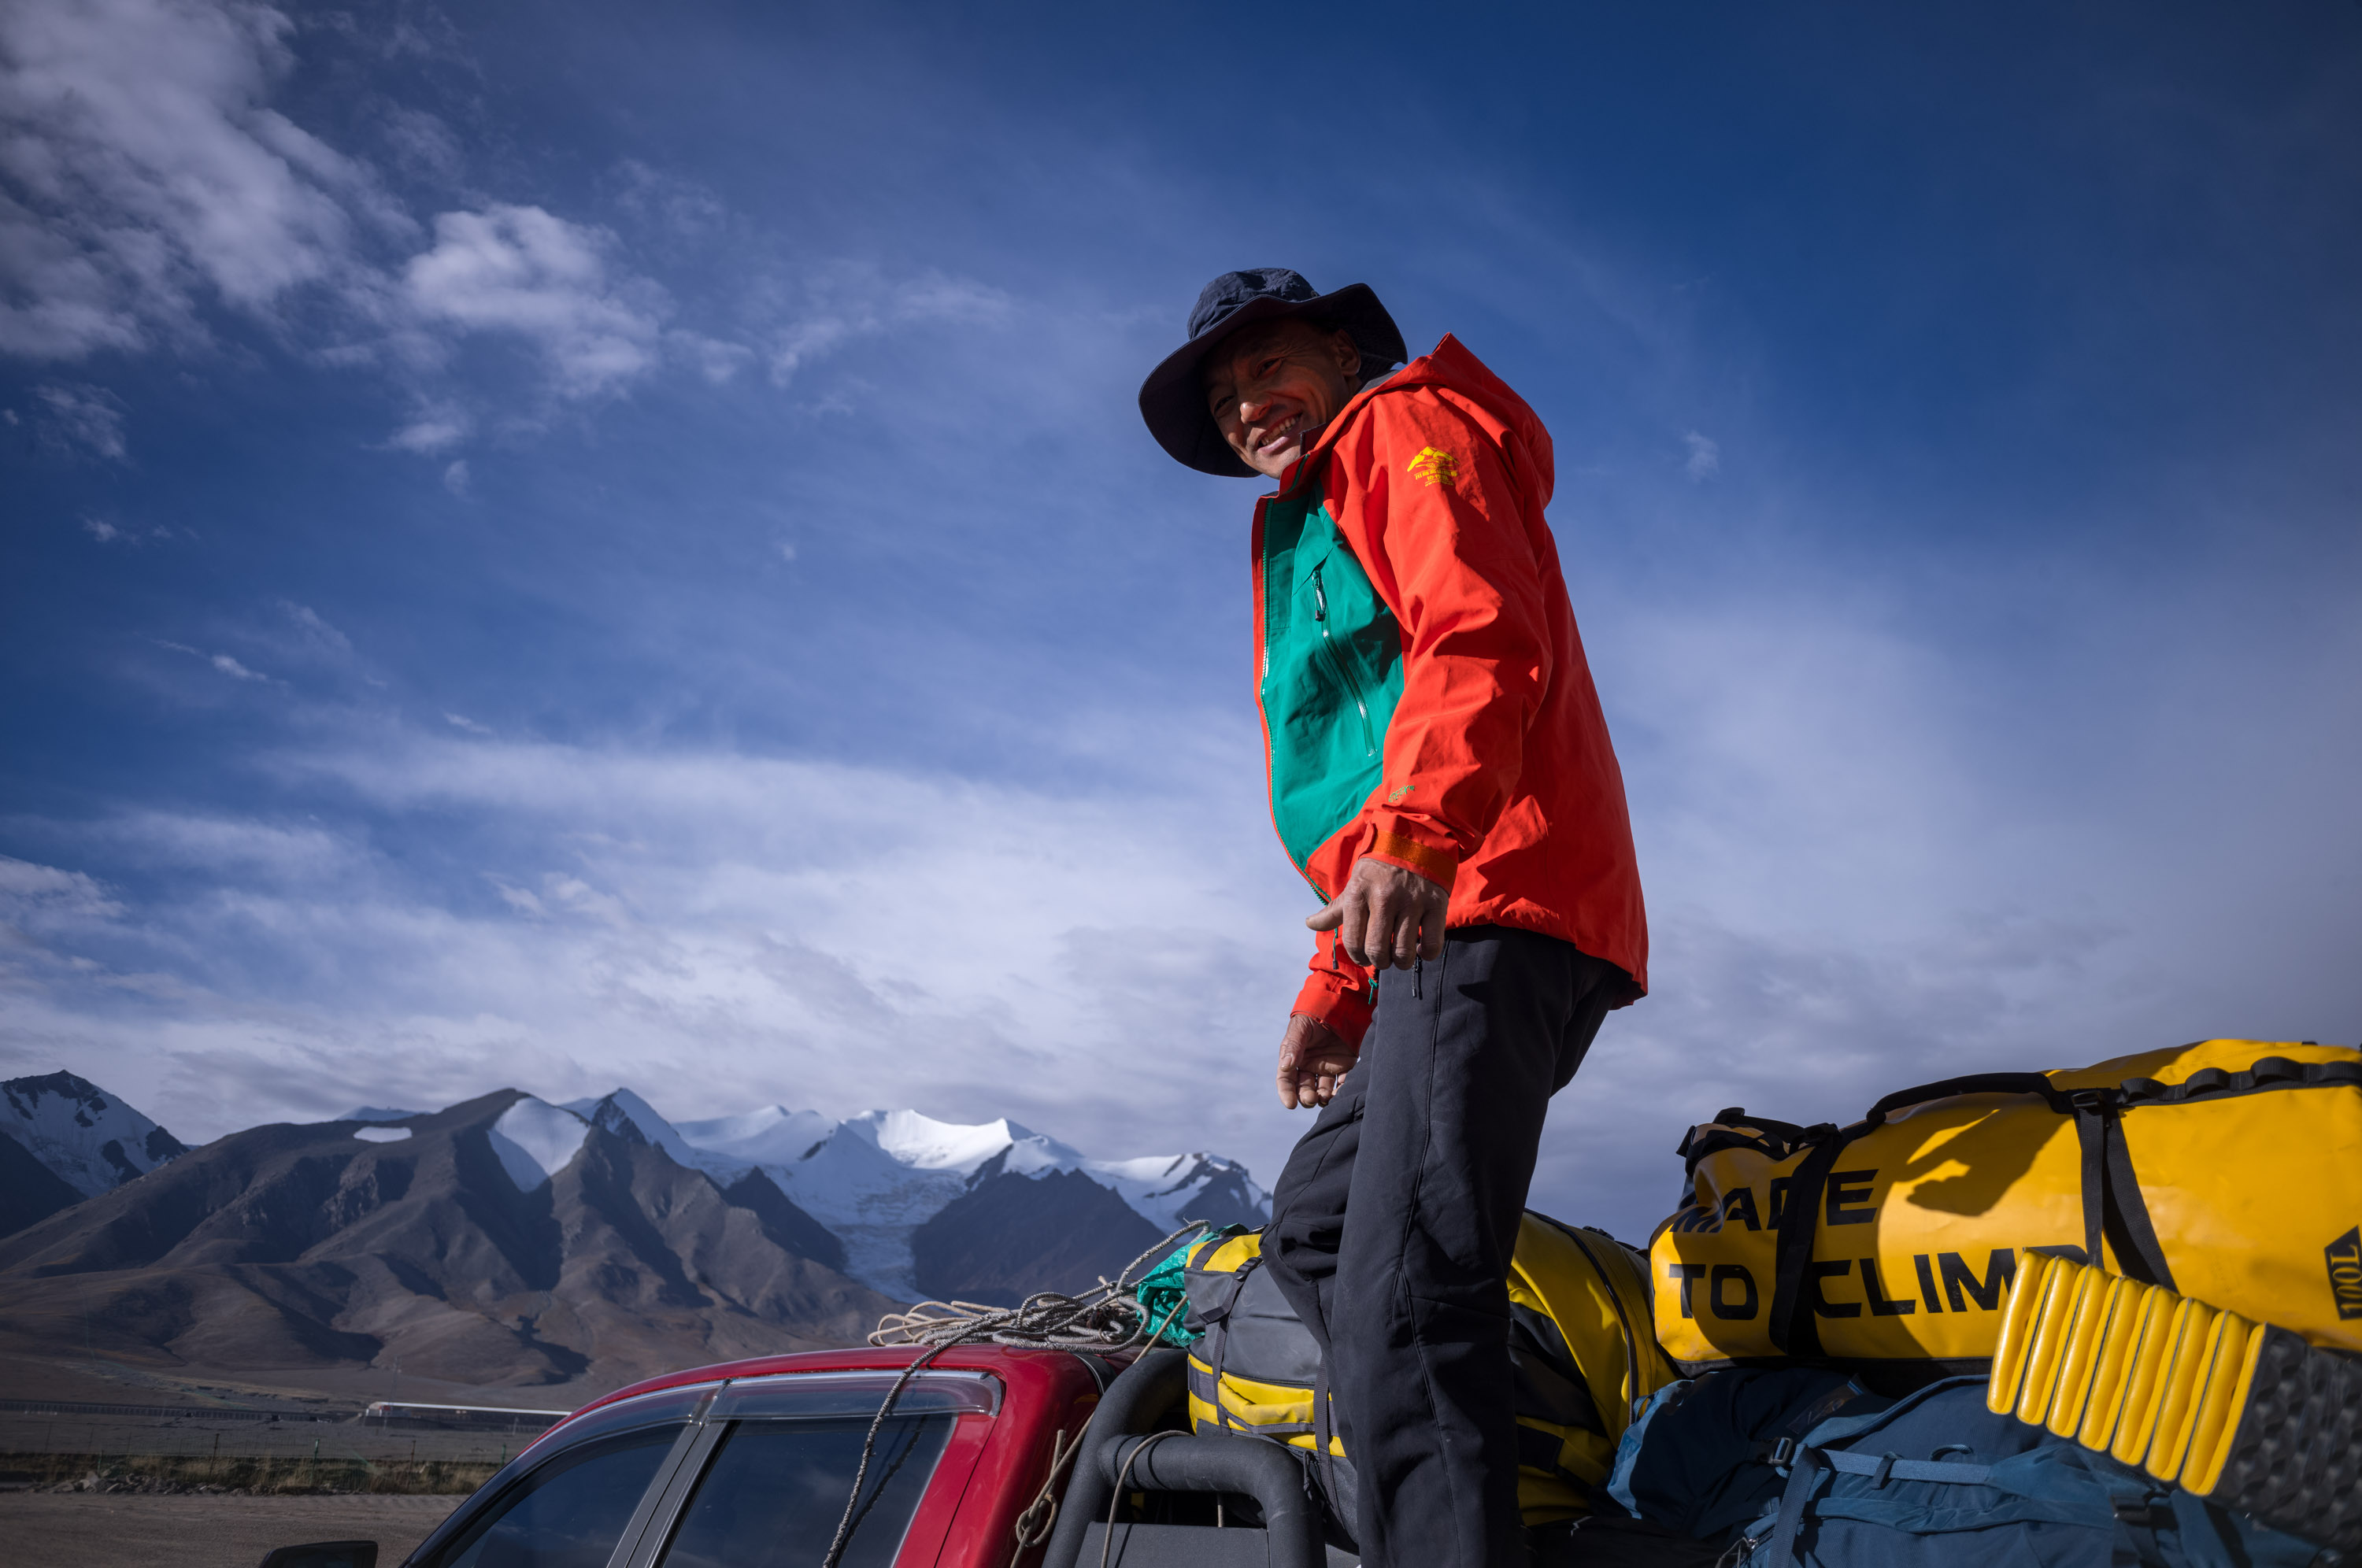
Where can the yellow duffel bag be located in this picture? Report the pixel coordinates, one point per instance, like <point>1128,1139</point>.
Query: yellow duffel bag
<point>2230,1170</point>
<point>1578,1336</point>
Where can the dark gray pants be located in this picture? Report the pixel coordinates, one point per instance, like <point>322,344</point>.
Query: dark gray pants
<point>1393,1225</point>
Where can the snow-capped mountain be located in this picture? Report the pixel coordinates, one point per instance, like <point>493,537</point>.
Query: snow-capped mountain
<point>876,1179</point>
<point>625,1113</point>
<point>905,1205</point>
<point>509,1241</point>
<point>87,1137</point>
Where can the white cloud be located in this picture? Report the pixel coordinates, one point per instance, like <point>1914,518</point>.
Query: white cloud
<point>225,664</point>
<point>843,302</point>
<point>461,721</point>
<point>455,478</point>
<point>235,671</point>
<point>421,144</point>
<point>145,180</point>
<point>520,900</point>
<point>683,209</point>
<point>1705,460</point>
<point>98,528</point>
<point>32,891</point>
<point>314,629</point>
<point>710,357</point>
<point>433,432</point>
<point>148,174</point>
<point>83,418</point>
<point>575,896</point>
<point>522,272</point>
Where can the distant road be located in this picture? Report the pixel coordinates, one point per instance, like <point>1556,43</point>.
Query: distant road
<point>210,1412</point>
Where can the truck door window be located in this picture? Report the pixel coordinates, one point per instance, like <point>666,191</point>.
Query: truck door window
<point>567,1512</point>
<point>775,1491</point>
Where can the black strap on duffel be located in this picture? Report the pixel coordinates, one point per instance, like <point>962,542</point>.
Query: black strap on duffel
<point>2112,1196</point>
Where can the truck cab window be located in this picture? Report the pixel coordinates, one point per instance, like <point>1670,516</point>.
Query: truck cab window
<point>567,1513</point>
<point>775,1491</point>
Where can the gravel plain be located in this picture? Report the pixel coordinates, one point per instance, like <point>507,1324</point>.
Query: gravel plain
<point>131,1531</point>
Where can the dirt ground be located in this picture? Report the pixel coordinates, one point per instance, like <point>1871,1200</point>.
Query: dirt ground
<point>203,1532</point>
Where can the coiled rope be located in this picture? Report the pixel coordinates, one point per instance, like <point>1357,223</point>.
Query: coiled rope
<point>1103,1318</point>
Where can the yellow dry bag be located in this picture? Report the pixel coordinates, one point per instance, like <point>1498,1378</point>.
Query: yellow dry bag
<point>2229,1170</point>
<point>1578,1336</point>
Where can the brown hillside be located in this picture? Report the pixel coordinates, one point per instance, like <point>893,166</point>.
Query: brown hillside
<point>292,1247</point>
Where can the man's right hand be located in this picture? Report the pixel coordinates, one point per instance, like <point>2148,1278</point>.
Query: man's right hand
<point>1313,1059</point>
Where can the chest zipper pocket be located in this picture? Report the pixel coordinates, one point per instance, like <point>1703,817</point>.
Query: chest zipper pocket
<point>1336,664</point>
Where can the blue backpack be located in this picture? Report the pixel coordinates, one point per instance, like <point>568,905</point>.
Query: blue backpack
<point>1804,1468</point>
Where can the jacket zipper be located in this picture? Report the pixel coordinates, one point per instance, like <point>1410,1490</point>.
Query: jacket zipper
<point>1337,665</point>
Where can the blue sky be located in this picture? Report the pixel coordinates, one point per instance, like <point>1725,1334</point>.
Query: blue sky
<point>591,544</point>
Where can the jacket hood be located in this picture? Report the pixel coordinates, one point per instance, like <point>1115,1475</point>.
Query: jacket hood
<point>1450,368</point>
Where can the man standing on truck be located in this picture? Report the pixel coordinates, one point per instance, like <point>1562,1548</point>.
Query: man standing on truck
<point>1440,773</point>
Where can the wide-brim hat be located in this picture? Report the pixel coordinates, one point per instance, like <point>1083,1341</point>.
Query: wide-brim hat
<point>1174,402</point>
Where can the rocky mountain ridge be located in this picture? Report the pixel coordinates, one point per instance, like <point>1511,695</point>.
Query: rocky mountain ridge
<point>508,1241</point>
<point>288,1246</point>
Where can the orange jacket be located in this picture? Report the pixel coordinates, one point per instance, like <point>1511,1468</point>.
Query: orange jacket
<point>1424,691</point>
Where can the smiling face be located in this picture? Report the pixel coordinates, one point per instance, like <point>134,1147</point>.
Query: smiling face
<point>1271,388</point>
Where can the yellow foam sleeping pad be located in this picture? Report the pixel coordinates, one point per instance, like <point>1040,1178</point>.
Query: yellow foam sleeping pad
<point>1579,1338</point>
<point>2230,1170</point>
<point>2244,1414</point>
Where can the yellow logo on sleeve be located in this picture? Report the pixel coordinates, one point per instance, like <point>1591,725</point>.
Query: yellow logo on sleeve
<point>1434,465</point>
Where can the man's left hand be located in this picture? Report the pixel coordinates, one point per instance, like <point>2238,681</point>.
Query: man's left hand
<point>1387,916</point>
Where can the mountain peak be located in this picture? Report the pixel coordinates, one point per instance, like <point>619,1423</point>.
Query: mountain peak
<point>774,1135</point>
<point>88,1138</point>
<point>921,1143</point>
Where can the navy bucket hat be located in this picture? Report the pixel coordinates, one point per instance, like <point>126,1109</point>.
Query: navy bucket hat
<point>1174,403</point>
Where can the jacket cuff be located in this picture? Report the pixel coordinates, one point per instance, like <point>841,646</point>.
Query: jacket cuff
<point>1338,1000</point>
<point>1396,848</point>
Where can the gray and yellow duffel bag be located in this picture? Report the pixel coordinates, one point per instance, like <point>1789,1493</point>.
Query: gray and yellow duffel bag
<point>2243,1414</point>
<point>1579,1338</point>
<point>2229,1171</point>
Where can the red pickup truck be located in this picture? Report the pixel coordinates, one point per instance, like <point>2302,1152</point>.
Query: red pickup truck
<point>749,1465</point>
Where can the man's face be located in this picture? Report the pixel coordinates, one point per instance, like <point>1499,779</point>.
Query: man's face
<point>1273,387</point>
